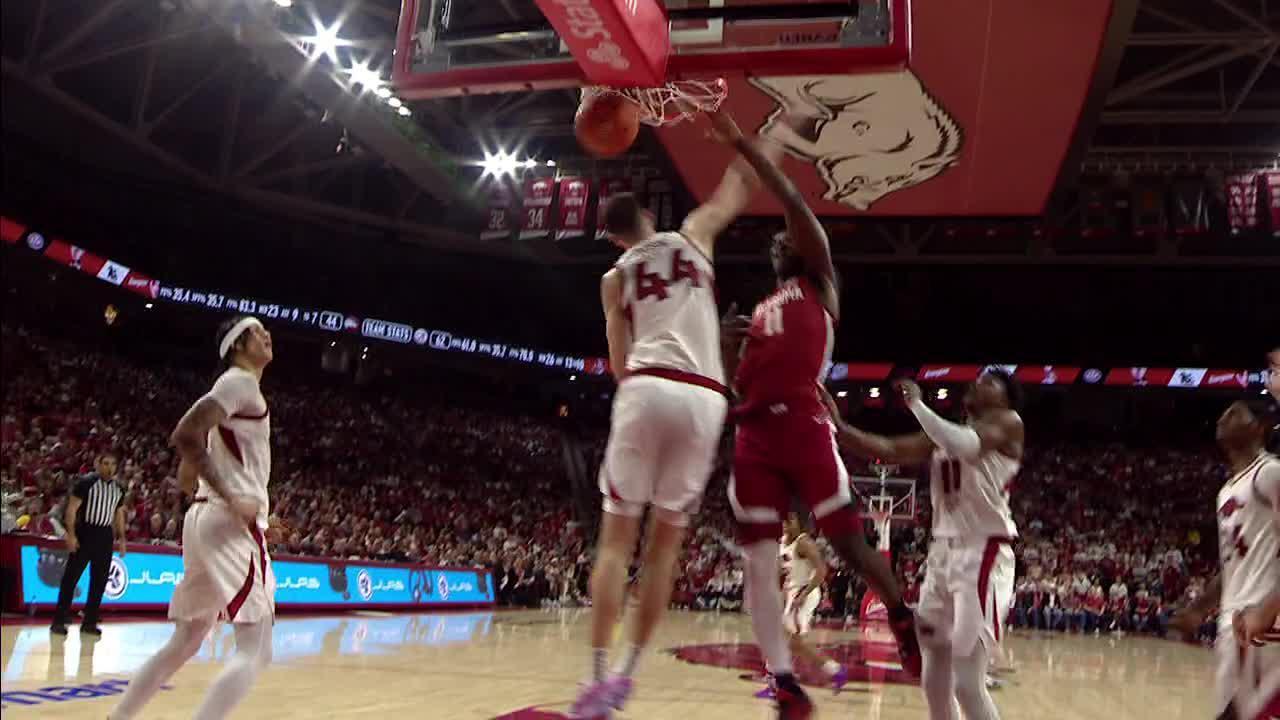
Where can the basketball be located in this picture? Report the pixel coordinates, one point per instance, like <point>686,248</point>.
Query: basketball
<point>606,124</point>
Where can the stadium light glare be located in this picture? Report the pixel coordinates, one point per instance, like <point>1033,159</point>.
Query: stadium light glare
<point>551,163</point>
<point>326,41</point>
<point>530,162</point>
<point>365,76</point>
<point>499,163</point>
<point>284,3</point>
<point>942,393</point>
<point>405,112</point>
<point>383,92</point>
<point>395,102</point>
<point>843,393</point>
<point>874,392</point>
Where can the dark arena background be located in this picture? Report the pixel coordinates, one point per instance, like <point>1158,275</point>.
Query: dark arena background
<point>1086,194</point>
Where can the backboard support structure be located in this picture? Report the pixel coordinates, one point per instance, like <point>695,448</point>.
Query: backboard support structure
<point>886,500</point>
<point>448,48</point>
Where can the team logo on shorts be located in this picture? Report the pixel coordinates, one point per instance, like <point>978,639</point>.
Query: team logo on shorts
<point>117,578</point>
<point>364,584</point>
<point>442,586</point>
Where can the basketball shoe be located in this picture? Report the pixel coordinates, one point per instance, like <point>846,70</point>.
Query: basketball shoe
<point>793,703</point>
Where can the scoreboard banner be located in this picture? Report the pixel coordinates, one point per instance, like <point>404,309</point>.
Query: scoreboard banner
<point>445,341</point>
<point>146,577</point>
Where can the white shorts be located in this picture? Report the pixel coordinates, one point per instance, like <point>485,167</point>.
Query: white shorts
<point>1248,677</point>
<point>968,586</point>
<point>797,617</point>
<point>662,445</point>
<point>226,569</point>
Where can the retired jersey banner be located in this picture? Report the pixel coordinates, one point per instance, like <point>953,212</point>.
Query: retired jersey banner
<point>1242,200</point>
<point>608,188</point>
<point>574,192</point>
<point>498,223</point>
<point>1271,185</point>
<point>538,193</point>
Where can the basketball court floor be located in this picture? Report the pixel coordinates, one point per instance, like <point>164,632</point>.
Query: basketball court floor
<point>510,665</point>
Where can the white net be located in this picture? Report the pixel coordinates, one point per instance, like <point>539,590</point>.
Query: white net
<point>671,103</point>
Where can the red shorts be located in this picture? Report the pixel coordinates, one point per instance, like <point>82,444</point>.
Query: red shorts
<point>783,453</point>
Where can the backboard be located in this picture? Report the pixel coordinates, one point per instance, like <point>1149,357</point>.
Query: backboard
<point>445,47</point>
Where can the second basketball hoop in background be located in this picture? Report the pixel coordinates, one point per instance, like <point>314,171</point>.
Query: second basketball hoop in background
<point>606,124</point>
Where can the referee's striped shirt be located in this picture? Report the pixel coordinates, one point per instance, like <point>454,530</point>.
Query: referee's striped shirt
<point>99,498</point>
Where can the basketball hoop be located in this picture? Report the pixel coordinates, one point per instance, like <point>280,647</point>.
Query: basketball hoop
<point>670,103</point>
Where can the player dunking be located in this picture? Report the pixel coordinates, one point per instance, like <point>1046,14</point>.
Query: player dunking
<point>668,416</point>
<point>784,446</point>
<point>1248,678</point>
<point>805,571</point>
<point>966,592</point>
<point>224,440</point>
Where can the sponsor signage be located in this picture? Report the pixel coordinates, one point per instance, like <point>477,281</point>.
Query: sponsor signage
<point>148,578</point>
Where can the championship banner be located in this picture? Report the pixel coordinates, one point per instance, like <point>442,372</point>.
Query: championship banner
<point>662,202</point>
<point>498,225</point>
<point>1271,185</point>
<point>608,188</point>
<point>1242,200</point>
<point>573,196</point>
<point>538,194</point>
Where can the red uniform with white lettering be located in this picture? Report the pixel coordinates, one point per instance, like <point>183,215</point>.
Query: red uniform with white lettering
<point>785,445</point>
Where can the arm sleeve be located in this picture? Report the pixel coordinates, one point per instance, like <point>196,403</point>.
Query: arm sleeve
<point>233,392</point>
<point>957,440</point>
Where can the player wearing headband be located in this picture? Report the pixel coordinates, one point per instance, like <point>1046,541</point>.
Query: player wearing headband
<point>225,449</point>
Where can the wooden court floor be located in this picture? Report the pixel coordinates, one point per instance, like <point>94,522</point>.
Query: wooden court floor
<point>525,665</point>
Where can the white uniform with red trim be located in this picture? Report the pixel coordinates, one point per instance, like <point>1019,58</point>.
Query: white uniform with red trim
<point>797,615</point>
<point>1249,550</point>
<point>968,585</point>
<point>669,411</point>
<point>226,569</point>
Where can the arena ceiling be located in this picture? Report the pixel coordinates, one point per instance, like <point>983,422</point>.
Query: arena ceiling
<point>203,93</point>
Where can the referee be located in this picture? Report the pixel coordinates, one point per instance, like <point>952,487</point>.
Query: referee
<point>94,515</point>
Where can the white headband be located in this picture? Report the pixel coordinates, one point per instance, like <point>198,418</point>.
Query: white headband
<point>234,334</point>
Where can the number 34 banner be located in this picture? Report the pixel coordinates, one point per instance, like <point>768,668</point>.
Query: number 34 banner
<point>538,193</point>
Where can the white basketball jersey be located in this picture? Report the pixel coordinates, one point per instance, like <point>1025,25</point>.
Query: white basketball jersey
<point>669,294</point>
<point>1248,544</point>
<point>971,499</point>
<point>798,570</point>
<point>240,446</point>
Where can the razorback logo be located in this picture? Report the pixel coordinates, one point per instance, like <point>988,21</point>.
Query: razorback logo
<point>867,135</point>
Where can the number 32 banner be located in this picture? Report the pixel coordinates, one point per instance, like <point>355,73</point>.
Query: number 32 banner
<point>538,193</point>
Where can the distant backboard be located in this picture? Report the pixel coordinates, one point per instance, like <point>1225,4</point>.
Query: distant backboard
<point>446,47</point>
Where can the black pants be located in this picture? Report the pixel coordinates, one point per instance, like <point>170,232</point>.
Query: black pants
<point>94,552</point>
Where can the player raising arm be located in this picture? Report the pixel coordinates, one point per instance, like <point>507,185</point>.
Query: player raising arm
<point>668,415</point>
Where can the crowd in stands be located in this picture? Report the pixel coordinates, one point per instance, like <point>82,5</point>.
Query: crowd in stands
<point>1111,538</point>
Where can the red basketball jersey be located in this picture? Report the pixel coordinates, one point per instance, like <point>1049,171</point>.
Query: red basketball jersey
<point>788,348</point>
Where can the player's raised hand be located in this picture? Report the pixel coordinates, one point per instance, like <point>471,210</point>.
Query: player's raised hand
<point>909,389</point>
<point>724,128</point>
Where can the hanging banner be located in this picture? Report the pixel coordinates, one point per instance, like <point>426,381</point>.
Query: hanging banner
<point>538,194</point>
<point>608,188</point>
<point>1242,200</point>
<point>1271,185</point>
<point>573,196</point>
<point>498,225</point>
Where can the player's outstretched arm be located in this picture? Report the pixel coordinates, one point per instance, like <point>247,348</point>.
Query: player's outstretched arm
<point>1002,433</point>
<point>904,450</point>
<point>805,232</point>
<point>616,328</point>
<point>708,220</point>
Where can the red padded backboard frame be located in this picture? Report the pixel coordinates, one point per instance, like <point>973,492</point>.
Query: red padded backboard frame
<point>552,74</point>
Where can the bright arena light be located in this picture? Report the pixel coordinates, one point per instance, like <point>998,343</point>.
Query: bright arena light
<point>395,102</point>
<point>499,163</point>
<point>284,3</point>
<point>365,76</point>
<point>551,163</point>
<point>874,392</point>
<point>405,111</point>
<point>843,393</point>
<point>383,92</point>
<point>325,42</point>
<point>530,163</point>
<point>942,393</point>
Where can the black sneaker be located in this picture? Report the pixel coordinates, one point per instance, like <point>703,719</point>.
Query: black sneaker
<point>93,630</point>
<point>58,629</point>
